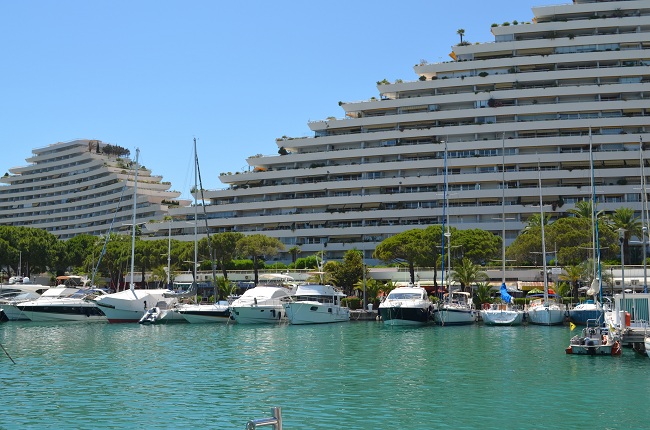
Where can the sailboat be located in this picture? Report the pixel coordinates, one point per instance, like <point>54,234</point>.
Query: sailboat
<point>544,310</point>
<point>591,309</point>
<point>503,313</point>
<point>457,307</point>
<point>128,305</point>
<point>219,311</point>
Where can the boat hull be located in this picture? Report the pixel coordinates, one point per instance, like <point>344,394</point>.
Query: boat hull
<point>13,313</point>
<point>502,317</point>
<point>542,315</point>
<point>129,306</point>
<point>205,314</point>
<point>402,315</point>
<point>162,316</point>
<point>446,316</point>
<point>613,349</point>
<point>580,316</point>
<point>315,313</point>
<point>87,312</point>
<point>258,314</point>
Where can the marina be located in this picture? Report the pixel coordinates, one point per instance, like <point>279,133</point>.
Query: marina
<point>361,375</point>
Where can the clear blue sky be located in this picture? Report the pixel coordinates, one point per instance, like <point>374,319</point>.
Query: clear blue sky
<point>236,75</point>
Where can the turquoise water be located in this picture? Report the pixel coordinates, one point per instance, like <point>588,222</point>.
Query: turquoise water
<point>358,375</point>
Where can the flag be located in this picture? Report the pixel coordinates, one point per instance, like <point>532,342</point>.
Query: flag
<point>572,326</point>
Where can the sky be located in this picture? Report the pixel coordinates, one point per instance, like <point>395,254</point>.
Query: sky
<point>235,75</point>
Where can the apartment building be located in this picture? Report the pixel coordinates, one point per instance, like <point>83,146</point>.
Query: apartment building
<point>76,187</point>
<point>548,95</point>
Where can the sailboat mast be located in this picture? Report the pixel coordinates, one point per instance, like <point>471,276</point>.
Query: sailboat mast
<point>541,211</point>
<point>644,227</point>
<point>594,222</point>
<point>135,207</point>
<point>196,214</point>
<point>207,228</point>
<point>169,254</point>
<point>444,213</point>
<point>503,210</point>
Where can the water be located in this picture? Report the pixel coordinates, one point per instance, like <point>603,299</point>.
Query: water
<point>358,375</point>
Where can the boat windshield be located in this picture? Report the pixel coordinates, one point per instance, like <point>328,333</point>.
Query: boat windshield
<point>404,296</point>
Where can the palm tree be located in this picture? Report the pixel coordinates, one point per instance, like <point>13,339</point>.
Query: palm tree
<point>461,33</point>
<point>468,273</point>
<point>294,251</point>
<point>623,218</point>
<point>535,221</point>
<point>583,209</point>
<point>573,276</point>
<point>483,294</point>
<point>159,274</point>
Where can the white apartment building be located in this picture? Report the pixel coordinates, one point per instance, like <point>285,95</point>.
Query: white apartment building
<point>70,188</point>
<point>540,95</point>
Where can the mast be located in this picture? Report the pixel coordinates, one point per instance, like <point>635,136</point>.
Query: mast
<point>169,254</point>
<point>644,227</point>
<point>541,211</point>
<point>444,233</point>
<point>135,207</point>
<point>207,229</point>
<point>503,210</point>
<point>597,275</point>
<point>196,217</point>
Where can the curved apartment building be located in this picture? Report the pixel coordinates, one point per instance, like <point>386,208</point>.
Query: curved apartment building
<point>541,94</point>
<point>76,187</point>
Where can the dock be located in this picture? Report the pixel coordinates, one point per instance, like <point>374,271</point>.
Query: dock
<point>363,315</point>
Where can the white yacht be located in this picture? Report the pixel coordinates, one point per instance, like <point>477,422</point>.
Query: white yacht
<point>262,304</point>
<point>18,290</point>
<point>409,305</point>
<point>129,305</point>
<point>316,304</point>
<point>63,303</point>
<point>456,309</point>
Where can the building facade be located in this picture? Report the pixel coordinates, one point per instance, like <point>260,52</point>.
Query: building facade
<point>76,187</point>
<point>550,95</point>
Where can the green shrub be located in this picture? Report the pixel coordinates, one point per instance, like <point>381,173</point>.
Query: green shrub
<point>352,302</point>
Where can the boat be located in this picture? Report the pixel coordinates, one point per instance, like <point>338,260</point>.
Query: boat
<point>161,314</point>
<point>129,305</point>
<point>588,310</point>
<point>594,340</point>
<point>409,305</point>
<point>456,308</point>
<point>502,313</point>
<point>205,313</point>
<point>646,344</point>
<point>593,309</point>
<point>194,313</point>
<point>18,290</point>
<point>544,309</point>
<point>261,304</point>
<point>64,303</point>
<point>316,304</point>
<point>505,313</point>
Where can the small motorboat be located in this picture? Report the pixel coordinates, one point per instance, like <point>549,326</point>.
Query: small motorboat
<point>594,340</point>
